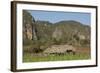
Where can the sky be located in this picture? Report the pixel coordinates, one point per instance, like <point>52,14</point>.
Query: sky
<point>54,16</point>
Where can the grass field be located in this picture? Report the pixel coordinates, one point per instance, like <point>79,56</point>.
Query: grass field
<point>81,54</point>
<point>29,58</point>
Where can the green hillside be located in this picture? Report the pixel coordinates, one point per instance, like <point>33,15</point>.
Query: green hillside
<point>63,32</point>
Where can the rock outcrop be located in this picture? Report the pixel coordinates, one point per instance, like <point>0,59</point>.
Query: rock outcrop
<point>57,34</point>
<point>29,26</point>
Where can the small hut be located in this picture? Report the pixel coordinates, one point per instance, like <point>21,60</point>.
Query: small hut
<point>60,49</point>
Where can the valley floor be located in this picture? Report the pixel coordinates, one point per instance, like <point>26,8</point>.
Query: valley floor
<point>83,54</point>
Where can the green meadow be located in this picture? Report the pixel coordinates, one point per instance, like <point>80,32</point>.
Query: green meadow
<point>29,58</point>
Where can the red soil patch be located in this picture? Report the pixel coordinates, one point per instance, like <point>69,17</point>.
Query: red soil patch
<point>83,50</point>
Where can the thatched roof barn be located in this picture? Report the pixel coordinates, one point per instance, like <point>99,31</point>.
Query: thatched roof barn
<point>59,49</point>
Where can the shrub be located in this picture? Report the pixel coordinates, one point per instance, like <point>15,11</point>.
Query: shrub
<point>27,42</point>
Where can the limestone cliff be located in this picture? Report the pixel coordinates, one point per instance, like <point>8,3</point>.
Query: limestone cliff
<point>29,26</point>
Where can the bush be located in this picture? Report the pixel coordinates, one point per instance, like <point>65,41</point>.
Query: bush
<point>27,42</point>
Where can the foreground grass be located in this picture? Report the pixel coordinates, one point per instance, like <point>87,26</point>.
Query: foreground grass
<point>29,58</point>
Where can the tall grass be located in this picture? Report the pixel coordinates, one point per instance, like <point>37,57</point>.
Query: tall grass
<point>30,58</point>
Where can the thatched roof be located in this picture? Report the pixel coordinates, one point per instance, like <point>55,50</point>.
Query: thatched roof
<point>59,49</point>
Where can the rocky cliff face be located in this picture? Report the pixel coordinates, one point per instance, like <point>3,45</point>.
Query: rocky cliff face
<point>29,30</point>
<point>57,34</point>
